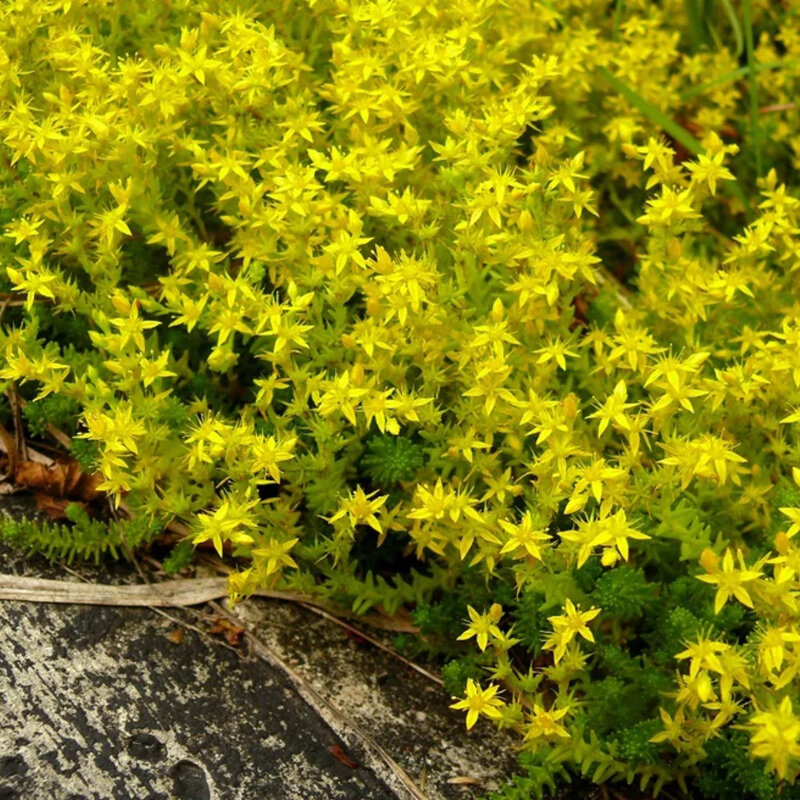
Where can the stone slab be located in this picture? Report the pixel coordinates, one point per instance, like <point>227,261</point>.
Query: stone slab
<point>99,704</point>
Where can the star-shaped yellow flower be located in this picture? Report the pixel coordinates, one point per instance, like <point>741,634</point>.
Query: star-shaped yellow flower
<point>479,701</point>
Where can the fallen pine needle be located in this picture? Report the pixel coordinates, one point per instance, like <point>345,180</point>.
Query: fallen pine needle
<point>374,642</point>
<point>465,780</point>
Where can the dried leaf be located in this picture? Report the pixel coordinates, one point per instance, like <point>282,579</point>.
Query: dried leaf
<point>54,507</point>
<point>176,636</point>
<point>465,780</point>
<point>340,755</point>
<point>232,633</point>
<point>10,448</point>
<point>20,447</point>
<point>7,446</point>
<point>63,479</point>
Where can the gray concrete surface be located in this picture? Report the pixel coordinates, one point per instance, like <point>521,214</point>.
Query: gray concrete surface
<point>98,703</point>
<point>101,704</point>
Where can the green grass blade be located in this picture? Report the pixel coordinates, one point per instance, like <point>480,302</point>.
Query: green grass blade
<point>667,124</point>
<point>695,13</point>
<point>734,75</point>
<point>755,124</point>
<point>704,87</point>
<point>735,27</point>
<point>654,114</point>
<point>619,7</point>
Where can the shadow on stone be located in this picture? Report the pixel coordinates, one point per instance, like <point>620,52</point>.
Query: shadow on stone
<point>189,782</point>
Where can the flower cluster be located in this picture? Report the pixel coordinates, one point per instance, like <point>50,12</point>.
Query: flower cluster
<point>390,301</point>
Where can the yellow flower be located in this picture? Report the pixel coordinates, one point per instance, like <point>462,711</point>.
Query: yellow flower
<point>360,508</point>
<point>439,502</point>
<point>704,655</point>
<point>23,228</point>
<point>225,523</point>
<point>107,223</point>
<point>479,701</point>
<point>772,646</point>
<point>35,280</point>
<point>133,326</point>
<point>557,351</point>
<point>672,206</point>
<point>153,369</point>
<point>614,409</point>
<point>545,724</point>
<point>268,452</point>
<point>273,555</point>
<point>674,728</point>
<point>613,533</point>
<point>710,169</point>
<point>708,456</point>
<point>731,581</point>
<point>794,516</point>
<point>566,626</point>
<point>483,625</point>
<point>734,670</point>
<point>774,736</point>
<point>695,689</point>
<point>524,536</point>
<point>465,444</point>
<point>192,311</point>
<point>343,396</point>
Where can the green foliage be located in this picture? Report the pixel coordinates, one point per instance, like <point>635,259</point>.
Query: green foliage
<point>624,592</point>
<point>677,626</point>
<point>180,557</point>
<point>727,774</point>
<point>55,410</point>
<point>455,674</point>
<point>530,621</point>
<point>391,459</point>
<point>634,743</point>
<point>540,778</point>
<point>85,540</point>
<point>85,452</point>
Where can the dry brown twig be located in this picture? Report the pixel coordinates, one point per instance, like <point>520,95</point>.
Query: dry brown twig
<point>777,107</point>
<point>16,412</point>
<point>174,593</point>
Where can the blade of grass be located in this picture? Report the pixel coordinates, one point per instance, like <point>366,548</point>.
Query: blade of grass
<point>667,124</point>
<point>755,125</point>
<point>654,114</point>
<point>734,75</point>
<point>619,7</point>
<point>737,30</point>
<point>695,13</point>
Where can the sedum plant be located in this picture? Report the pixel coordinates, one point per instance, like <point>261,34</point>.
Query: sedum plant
<point>484,309</point>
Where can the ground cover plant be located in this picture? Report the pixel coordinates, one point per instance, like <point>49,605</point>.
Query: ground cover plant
<point>483,310</point>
